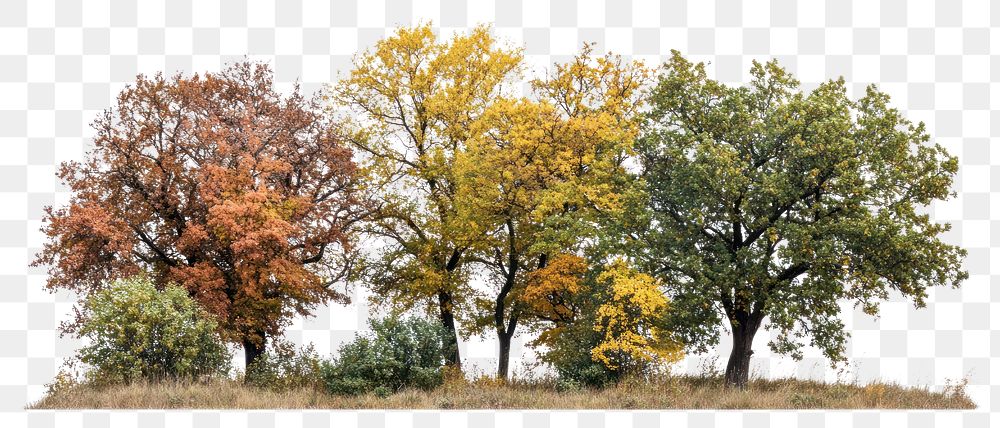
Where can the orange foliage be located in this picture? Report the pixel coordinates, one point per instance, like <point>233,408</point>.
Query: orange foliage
<point>549,290</point>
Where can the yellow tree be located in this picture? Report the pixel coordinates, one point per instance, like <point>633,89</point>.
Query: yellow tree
<point>536,172</point>
<point>412,100</point>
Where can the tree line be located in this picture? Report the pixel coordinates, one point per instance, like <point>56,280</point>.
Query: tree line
<point>622,212</point>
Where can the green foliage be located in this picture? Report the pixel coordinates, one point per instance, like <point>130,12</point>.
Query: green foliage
<point>284,367</point>
<point>396,354</point>
<point>765,200</point>
<point>137,332</point>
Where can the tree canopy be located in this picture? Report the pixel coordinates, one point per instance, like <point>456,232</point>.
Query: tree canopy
<point>622,212</point>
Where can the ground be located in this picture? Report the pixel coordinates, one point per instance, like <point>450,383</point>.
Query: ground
<point>671,392</point>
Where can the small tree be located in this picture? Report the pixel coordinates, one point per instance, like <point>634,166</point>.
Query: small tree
<point>217,183</point>
<point>630,321</point>
<point>137,332</point>
<point>599,325</point>
<point>764,201</point>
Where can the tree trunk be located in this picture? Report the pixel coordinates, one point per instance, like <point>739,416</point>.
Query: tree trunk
<point>504,364</point>
<point>505,330</point>
<point>504,336</point>
<point>738,367</point>
<point>252,351</point>
<point>452,356</point>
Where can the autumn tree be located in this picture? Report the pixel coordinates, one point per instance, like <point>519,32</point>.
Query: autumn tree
<point>413,99</point>
<point>766,201</point>
<point>217,183</point>
<point>537,171</point>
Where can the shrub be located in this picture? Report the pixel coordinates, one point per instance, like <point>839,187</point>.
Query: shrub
<point>138,332</point>
<point>284,367</point>
<point>630,321</point>
<point>396,354</point>
<point>569,354</point>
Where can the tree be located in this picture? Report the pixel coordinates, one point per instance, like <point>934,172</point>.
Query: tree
<point>219,184</point>
<point>764,201</point>
<point>414,99</point>
<point>535,175</point>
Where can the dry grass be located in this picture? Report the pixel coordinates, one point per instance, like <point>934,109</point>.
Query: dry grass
<point>675,392</point>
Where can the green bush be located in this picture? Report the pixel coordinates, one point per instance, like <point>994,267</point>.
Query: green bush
<point>569,354</point>
<point>283,368</point>
<point>137,332</point>
<point>397,354</point>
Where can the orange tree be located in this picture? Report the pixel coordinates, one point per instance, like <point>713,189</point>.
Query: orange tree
<point>412,100</point>
<point>244,197</point>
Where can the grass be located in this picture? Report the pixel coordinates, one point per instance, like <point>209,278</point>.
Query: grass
<point>671,392</point>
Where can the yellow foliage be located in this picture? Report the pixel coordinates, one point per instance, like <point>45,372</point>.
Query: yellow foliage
<point>489,382</point>
<point>538,158</point>
<point>409,104</point>
<point>627,319</point>
<point>464,164</point>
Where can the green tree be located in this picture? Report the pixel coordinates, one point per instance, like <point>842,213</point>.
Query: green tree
<point>138,332</point>
<point>765,201</point>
